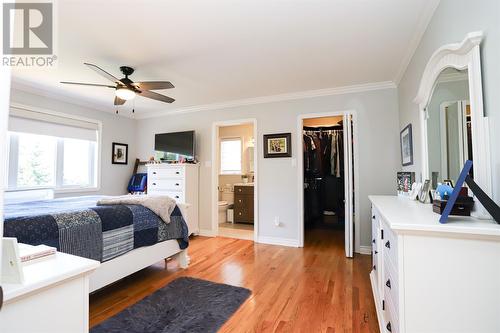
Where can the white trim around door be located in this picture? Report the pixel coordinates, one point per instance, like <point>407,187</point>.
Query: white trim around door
<point>354,222</point>
<point>215,173</point>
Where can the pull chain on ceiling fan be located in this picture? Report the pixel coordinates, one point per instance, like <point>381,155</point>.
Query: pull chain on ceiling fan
<point>126,89</point>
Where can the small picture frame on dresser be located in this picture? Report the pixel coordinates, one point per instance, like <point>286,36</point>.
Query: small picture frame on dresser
<point>423,196</point>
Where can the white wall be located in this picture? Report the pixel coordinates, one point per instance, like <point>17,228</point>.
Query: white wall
<point>451,22</point>
<point>114,178</point>
<point>278,180</point>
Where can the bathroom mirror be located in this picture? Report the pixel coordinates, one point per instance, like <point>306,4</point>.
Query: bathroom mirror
<point>449,133</point>
<point>453,125</point>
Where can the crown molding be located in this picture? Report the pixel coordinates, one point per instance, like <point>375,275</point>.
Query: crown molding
<point>38,90</point>
<point>425,19</point>
<point>273,98</point>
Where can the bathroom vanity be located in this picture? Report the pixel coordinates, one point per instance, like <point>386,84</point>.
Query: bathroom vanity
<point>243,203</point>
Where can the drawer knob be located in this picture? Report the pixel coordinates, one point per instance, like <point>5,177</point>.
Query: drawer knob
<point>374,267</point>
<point>154,184</point>
<point>239,213</point>
<point>376,252</point>
<point>388,244</point>
<point>239,200</point>
<point>177,197</point>
<point>373,217</point>
<point>388,283</point>
<point>176,184</point>
<point>239,190</point>
<point>373,241</point>
<point>389,328</point>
<point>177,172</point>
<point>154,172</point>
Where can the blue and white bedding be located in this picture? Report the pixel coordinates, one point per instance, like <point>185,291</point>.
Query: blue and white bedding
<point>78,226</point>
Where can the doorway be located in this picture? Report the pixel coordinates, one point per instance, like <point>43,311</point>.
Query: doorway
<point>327,179</point>
<point>234,179</point>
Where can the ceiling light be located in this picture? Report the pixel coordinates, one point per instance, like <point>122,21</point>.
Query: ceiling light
<point>125,93</point>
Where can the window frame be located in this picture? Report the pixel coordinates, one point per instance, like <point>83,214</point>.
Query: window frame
<point>95,172</point>
<point>235,173</point>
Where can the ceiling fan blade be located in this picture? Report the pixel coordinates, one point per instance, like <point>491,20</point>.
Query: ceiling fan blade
<point>156,96</point>
<point>103,73</point>
<point>88,84</point>
<point>119,101</point>
<point>153,85</point>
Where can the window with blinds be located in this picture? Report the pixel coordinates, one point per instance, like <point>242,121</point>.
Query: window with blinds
<point>230,156</point>
<point>51,151</point>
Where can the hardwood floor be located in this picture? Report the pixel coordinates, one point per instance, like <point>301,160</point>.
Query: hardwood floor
<point>310,289</point>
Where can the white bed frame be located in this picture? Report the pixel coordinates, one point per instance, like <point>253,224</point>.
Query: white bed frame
<point>135,260</point>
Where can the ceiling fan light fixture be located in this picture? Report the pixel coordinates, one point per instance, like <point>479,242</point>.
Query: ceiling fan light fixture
<point>125,93</point>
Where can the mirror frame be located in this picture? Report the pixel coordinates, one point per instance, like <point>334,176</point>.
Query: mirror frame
<point>461,56</point>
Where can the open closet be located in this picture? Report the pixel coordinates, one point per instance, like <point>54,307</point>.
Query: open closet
<point>328,179</point>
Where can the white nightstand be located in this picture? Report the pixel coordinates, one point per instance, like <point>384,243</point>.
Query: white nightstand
<point>53,298</point>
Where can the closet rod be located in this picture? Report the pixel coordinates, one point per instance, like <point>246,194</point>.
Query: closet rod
<point>324,128</point>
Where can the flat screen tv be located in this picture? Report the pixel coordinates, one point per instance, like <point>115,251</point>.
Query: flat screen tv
<point>175,146</point>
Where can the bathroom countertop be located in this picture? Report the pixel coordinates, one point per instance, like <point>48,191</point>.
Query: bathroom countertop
<point>243,184</point>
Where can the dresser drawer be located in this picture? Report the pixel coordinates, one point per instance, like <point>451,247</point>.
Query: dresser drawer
<point>243,215</point>
<point>390,283</point>
<point>390,315</point>
<point>166,184</point>
<point>390,246</point>
<point>243,190</point>
<point>177,196</point>
<point>162,173</point>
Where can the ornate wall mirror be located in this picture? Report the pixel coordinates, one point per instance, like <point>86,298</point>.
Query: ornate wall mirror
<point>453,126</point>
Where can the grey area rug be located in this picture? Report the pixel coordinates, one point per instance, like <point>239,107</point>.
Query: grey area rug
<point>184,305</point>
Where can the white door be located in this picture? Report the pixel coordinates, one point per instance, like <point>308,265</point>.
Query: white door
<point>348,186</point>
<point>4,114</point>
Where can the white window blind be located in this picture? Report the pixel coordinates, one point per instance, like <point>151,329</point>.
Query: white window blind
<point>230,156</point>
<point>34,122</point>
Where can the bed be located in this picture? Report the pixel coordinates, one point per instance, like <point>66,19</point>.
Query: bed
<point>124,238</point>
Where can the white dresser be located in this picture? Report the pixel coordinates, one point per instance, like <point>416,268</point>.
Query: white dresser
<point>54,297</point>
<point>178,181</point>
<point>431,277</point>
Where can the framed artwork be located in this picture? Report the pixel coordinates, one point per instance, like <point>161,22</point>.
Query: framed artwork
<point>406,146</point>
<point>119,153</point>
<point>424,191</point>
<point>278,145</point>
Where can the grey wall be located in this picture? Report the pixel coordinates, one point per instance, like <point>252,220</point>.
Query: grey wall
<point>452,20</point>
<point>277,178</point>
<point>114,178</point>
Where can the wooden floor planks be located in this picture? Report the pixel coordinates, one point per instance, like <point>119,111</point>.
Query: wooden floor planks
<point>310,289</point>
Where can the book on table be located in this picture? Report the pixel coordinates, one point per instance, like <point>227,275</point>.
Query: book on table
<point>31,252</point>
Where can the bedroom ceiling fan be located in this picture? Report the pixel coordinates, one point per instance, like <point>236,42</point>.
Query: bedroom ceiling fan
<point>126,89</point>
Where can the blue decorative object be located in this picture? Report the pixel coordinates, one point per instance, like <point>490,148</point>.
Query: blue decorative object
<point>444,189</point>
<point>138,182</point>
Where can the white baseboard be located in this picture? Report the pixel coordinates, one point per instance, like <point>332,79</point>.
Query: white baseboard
<point>365,250</point>
<point>278,241</point>
<point>207,233</point>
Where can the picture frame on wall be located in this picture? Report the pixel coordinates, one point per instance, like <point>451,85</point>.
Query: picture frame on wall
<point>406,146</point>
<point>119,153</point>
<point>278,145</point>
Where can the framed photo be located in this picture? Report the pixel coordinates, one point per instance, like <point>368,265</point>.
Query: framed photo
<point>424,191</point>
<point>406,146</point>
<point>119,153</point>
<point>278,145</point>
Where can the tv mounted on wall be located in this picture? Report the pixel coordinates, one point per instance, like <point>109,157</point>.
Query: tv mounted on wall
<point>175,146</point>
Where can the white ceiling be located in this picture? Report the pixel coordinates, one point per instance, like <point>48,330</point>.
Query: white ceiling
<point>225,50</point>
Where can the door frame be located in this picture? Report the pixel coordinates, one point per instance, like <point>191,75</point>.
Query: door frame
<point>215,173</point>
<point>300,174</point>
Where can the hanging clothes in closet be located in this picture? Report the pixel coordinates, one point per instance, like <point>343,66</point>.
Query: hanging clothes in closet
<point>323,172</point>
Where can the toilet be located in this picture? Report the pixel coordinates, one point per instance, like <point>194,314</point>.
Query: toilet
<point>225,203</point>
